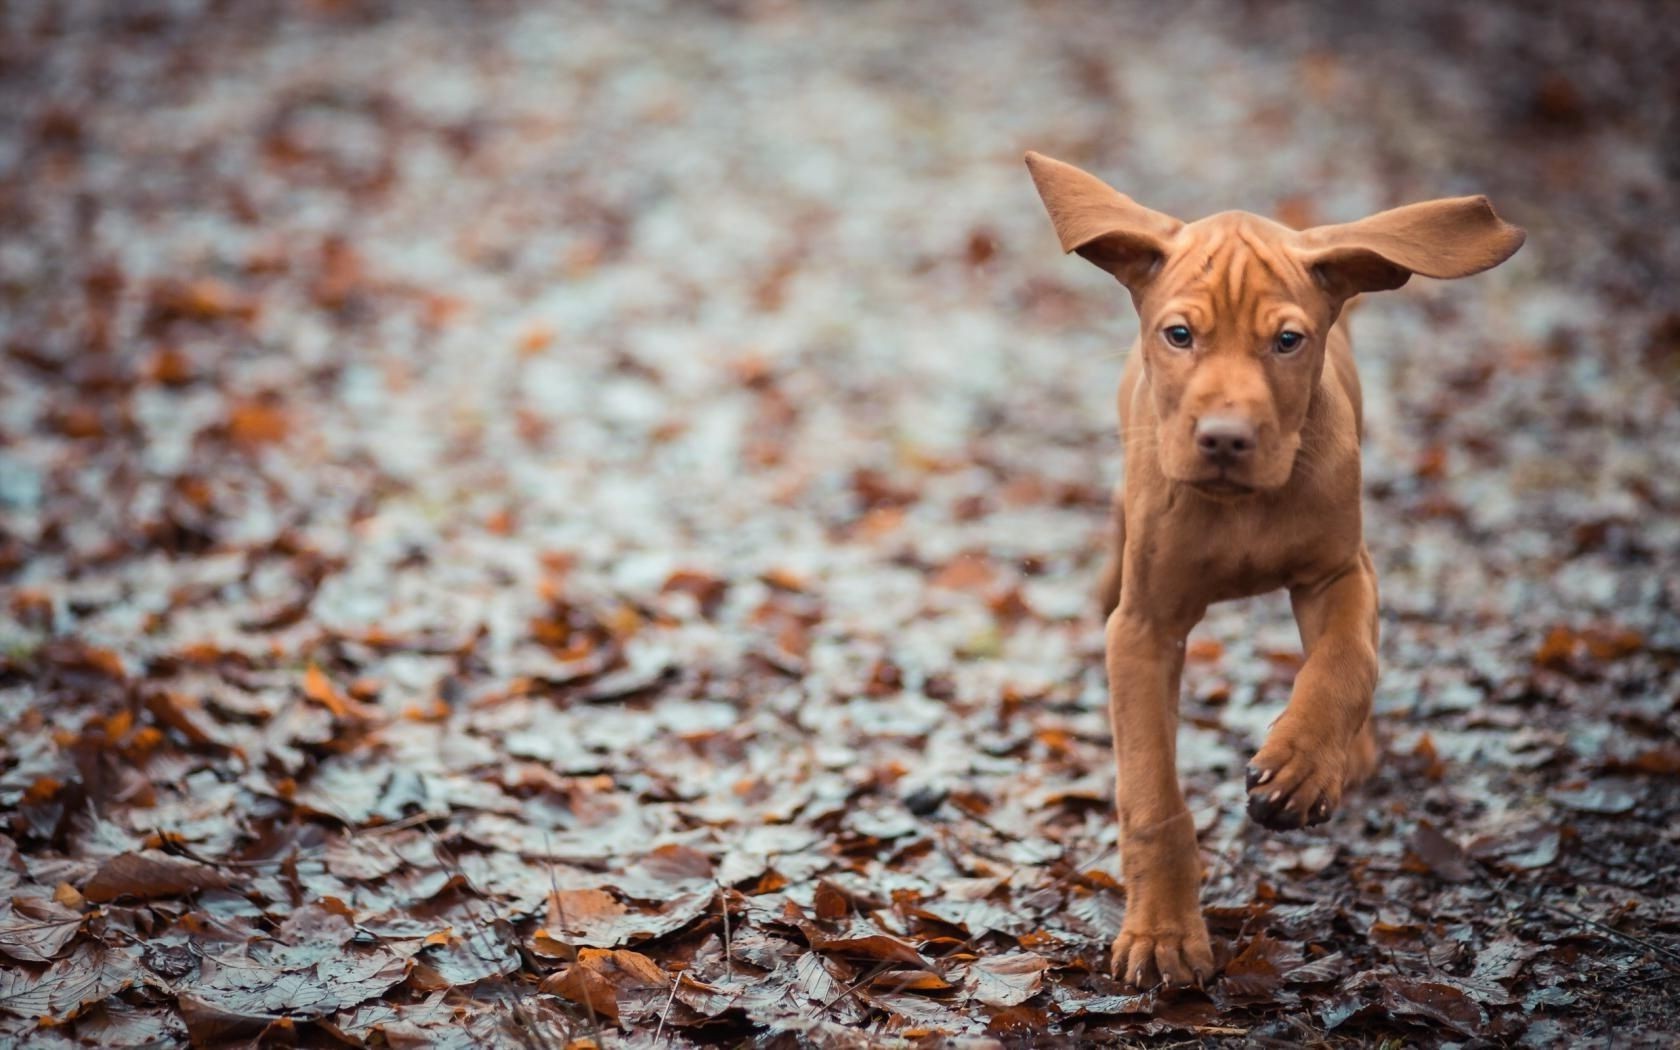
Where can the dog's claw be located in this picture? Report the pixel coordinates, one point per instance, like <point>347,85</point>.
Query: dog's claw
<point>1142,961</point>
<point>1294,786</point>
<point>1277,810</point>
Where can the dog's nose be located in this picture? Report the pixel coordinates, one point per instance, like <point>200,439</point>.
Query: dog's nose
<point>1225,440</point>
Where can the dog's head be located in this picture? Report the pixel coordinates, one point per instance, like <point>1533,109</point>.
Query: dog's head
<point>1236,309</point>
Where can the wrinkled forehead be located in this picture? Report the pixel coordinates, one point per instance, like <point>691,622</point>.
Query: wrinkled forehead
<point>1235,270</point>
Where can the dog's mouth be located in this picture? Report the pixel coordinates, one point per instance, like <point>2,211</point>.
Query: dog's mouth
<point>1220,486</point>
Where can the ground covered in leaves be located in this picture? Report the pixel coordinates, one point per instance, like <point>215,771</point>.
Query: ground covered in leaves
<point>536,522</point>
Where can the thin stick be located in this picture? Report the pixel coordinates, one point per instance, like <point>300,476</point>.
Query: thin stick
<point>658,1033</point>
<point>524,1029</point>
<point>1640,942</point>
<point>728,948</point>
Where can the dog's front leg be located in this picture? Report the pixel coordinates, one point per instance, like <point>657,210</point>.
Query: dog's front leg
<point>1163,935</point>
<point>1323,741</point>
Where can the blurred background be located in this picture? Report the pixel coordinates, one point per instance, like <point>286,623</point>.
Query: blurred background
<point>719,356</point>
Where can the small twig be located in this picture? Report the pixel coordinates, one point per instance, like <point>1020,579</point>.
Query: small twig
<point>486,929</point>
<point>1656,978</point>
<point>1640,942</point>
<point>659,1033</point>
<point>728,946</point>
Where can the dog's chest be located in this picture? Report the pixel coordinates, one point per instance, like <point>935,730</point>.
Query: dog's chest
<point>1239,553</point>
<point>1227,574</point>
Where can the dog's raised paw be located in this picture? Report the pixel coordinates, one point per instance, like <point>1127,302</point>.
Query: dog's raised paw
<point>1142,960</point>
<point>1287,788</point>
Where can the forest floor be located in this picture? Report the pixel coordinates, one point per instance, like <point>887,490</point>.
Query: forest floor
<point>525,523</point>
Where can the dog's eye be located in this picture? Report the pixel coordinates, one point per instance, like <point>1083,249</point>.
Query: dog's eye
<point>1289,342</point>
<point>1177,335</point>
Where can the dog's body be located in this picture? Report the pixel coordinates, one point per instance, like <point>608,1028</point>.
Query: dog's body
<point>1240,417</point>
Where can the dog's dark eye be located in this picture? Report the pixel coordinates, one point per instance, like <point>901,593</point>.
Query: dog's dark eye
<point>1289,342</point>
<point>1177,335</point>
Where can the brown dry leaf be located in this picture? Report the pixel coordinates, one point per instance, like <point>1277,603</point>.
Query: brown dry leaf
<point>608,981</point>
<point>1524,849</point>
<point>832,904</point>
<point>319,688</point>
<point>257,422</point>
<point>708,591</point>
<point>1441,854</point>
<point>202,299</point>
<point>585,916</point>
<point>1204,651</point>
<point>1256,970</point>
<point>1018,1021</point>
<point>1663,760</point>
<point>669,871</point>
<point>595,918</point>
<point>1441,1003</point>
<point>150,875</point>
<point>1425,752</point>
<point>184,715</point>
<point>861,940</point>
<point>1564,647</point>
<point>209,1023</point>
<point>909,981</point>
<point>966,572</point>
<point>170,366</point>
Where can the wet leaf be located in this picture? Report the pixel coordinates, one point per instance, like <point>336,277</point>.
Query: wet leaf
<point>1004,980</point>
<point>149,875</point>
<point>88,975</point>
<point>613,983</point>
<point>1257,970</point>
<point>1441,854</point>
<point>1607,799</point>
<point>33,929</point>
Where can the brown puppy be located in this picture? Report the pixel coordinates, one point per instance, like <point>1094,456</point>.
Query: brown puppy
<point>1240,420</point>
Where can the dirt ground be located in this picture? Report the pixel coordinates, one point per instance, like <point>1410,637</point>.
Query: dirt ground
<point>527,524</point>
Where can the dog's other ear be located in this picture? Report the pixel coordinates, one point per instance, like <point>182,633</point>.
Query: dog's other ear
<point>1101,223</point>
<point>1455,237</point>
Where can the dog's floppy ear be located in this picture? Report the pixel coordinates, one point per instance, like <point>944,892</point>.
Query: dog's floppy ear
<point>1455,237</point>
<point>1101,223</point>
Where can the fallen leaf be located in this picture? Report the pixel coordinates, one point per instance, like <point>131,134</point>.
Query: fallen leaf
<point>1441,854</point>
<point>149,875</point>
<point>610,982</point>
<point>88,975</point>
<point>1004,980</point>
<point>1257,970</point>
<point>34,929</point>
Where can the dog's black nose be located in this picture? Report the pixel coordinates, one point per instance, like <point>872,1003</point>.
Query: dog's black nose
<point>1225,440</point>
